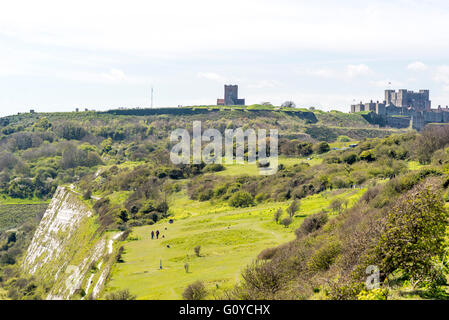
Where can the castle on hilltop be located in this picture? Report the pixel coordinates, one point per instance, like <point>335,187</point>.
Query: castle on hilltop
<point>404,109</point>
<point>231,97</point>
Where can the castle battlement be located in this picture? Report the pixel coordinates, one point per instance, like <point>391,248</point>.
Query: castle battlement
<point>404,108</point>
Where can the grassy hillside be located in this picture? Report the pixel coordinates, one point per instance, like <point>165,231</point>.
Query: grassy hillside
<point>331,165</point>
<point>229,239</point>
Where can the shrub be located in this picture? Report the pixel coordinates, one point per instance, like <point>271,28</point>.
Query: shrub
<point>311,224</point>
<point>195,291</point>
<point>374,294</point>
<point>322,147</point>
<point>197,250</point>
<point>350,158</point>
<point>71,131</point>
<point>336,205</point>
<point>7,160</point>
<point>324,257</point>
<point>286,222</point>
<point>214,167</point>
<point>120,295</point>
<point>267,254</point>
<point>262,280</point>
<point>414,233</point>
<point>367,155</point>
<point>260,197</point>
<point>242,199</point>
<point>206,195</point>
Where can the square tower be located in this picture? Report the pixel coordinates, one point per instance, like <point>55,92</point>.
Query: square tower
<point>231,97</point>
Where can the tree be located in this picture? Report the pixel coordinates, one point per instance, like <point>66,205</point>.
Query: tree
<point>286,222</point>
<point>106,145</point>
<point>71,131</point>
<point>322,147</point>
<point>415,233</point>
<point>311,224</point>
<point>305,148</point>
<point>43,124</point>
<point>350,158</point>
<point>288,104</point>
<point>336,205</point>
<point>293,208</point>
<point>278,215</point>
<point>124,215</point>
<point>431,139</point>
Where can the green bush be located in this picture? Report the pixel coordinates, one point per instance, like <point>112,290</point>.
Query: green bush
<point>214,167</point>
<point>195,291</point>
<point>311,224</point>
<point>414,233</point>
<point>241,199</point>
<point>120,295</point>
<point>324,257</point>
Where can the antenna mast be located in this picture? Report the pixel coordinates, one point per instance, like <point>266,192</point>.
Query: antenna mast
<point>151,96</point>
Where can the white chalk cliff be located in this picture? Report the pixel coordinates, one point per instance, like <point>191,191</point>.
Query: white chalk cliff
<point>68,253</point>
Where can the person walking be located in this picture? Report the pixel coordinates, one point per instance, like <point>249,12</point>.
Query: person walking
<point>157,234</point>
<point>152,235</point>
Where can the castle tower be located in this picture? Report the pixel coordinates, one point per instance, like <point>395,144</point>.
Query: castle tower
<point>231,94</point>
<point>231,97</point>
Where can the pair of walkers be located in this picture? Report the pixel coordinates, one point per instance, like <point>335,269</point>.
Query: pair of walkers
<point>157,234</point>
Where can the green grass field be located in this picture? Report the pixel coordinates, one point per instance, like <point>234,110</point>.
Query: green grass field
<point>229,238</point>
<point>14,215</point>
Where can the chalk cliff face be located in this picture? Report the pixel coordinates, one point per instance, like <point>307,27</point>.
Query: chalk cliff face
<point>68,253</point>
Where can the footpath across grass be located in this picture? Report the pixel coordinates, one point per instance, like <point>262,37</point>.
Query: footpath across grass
<point>229,238</point>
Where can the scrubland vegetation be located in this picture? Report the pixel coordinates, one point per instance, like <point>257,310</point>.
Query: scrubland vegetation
<point>307,232</point>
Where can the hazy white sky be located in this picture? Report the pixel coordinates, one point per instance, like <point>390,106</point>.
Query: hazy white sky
<point>59,55</point>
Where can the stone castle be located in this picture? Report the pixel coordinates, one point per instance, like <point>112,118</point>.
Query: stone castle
<point>231,97</point>
<point>404,109</point>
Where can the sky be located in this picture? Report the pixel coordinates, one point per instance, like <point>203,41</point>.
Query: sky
<point>62,55</point>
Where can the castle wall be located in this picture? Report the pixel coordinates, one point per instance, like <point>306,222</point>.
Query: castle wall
<point>398,121</point>
<point>404,98</point>
<point>404,108</point>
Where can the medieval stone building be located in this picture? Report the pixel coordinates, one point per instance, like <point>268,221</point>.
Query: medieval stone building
<point>231,97</point>
<point>405,109</point>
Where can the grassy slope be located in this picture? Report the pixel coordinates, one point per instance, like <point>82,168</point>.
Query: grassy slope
<point>230,239</point>
<point>14,215</point>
